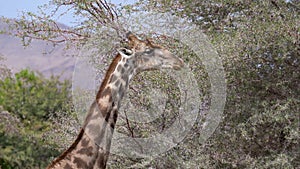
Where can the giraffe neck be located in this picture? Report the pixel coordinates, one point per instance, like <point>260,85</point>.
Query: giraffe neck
<point>91,148</point>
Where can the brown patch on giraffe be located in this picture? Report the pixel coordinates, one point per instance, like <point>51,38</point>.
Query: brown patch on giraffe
<point>103,156</point>
<point>104,109</point>
<point>123,70</point>
<point>119,68</point>
<point>86,151</point>
<point>113,78</point>
<point>106,92</point>
<point>67,152</point>
<point>96,115</point>
<point>80,163</point>
<point>104,102</point>
<point>117,83</point>
<point>93,113</point>
<point>68,157</point>
<point>110,70</point>
<point>67,166</point>
<point>84,142</point>
<point>91,163</point>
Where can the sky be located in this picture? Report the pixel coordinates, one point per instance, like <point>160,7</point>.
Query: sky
<point>14,8</point>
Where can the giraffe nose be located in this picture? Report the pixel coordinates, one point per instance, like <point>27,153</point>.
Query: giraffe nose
<point>178,64</point>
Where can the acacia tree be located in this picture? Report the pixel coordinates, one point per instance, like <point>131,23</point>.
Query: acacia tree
<point>91,15</point>
<point>259,44</point>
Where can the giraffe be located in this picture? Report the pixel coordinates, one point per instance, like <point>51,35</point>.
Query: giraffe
<point>91,148</point>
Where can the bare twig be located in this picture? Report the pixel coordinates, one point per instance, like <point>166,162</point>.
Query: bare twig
<point>128,125</point>
<point>43,28</point>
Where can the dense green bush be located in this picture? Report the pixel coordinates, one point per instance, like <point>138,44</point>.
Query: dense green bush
<point>27,100</point>
<point>31,96</point>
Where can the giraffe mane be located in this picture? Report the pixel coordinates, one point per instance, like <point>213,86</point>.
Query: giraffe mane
<point>110,70</point>
<point>65,153</point>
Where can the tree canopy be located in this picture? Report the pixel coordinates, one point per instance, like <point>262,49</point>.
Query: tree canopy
<point>259,45</point>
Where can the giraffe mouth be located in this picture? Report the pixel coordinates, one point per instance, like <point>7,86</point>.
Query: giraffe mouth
<point>179,64</point>
<point>173,66</point>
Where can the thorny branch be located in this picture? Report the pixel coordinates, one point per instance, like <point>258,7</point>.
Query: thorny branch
<point>128,125</point>
<point>49,31</point>
<point>44,28</point>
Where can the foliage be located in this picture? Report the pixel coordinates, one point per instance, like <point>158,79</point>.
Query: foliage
<point>33,97</point>
<point>21,151</point>
<point>4,71</point>
<point>27,100</point>
<point>258,42</point>
<point>89,16</point>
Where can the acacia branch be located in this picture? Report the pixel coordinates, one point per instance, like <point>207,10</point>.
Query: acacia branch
<point>128,125</point>
<point>43,28</point>
<point>51,32</point>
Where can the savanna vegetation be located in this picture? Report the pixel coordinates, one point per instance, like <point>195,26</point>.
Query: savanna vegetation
<point>258,43</point>
<point>28,103</point>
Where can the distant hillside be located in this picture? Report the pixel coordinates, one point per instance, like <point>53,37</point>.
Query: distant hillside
<point>39,56</point>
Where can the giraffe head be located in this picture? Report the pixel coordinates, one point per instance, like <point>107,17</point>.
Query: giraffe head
<point>147,56</point>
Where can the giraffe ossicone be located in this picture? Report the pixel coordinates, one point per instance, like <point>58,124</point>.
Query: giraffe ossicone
<point>91,148</point>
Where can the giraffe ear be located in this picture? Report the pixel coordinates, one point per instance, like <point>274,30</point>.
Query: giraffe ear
<point>126,53</point>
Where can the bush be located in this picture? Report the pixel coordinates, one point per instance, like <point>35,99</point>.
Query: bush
<point>27,100</point>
